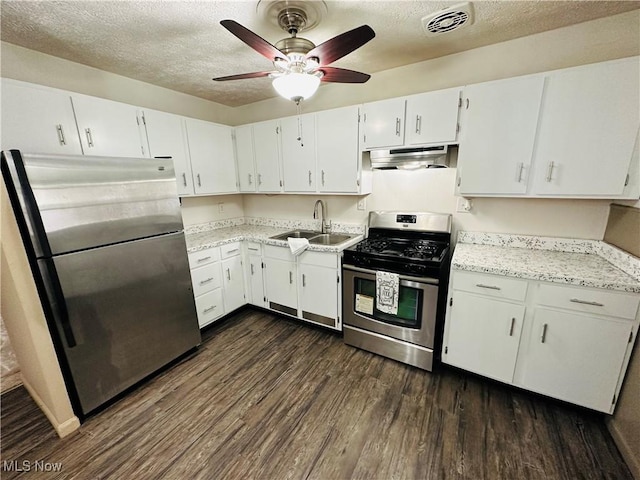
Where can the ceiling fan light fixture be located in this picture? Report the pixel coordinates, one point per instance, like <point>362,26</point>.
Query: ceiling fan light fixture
<point>296,86</point>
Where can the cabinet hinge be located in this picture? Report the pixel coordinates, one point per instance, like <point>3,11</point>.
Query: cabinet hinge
<point>142,148</point>
<point>458,183</point>
<point>281,183</point>
<point>358,117</point>
<point>144,120</point>
<point>365,118</point>
<point>626,180</point>
<point>630,336</point>
<point>459,102</point>
<point>457,128</point>
<point>262,264</point>
<point>338,278</point>
<point>613,401</point>
<point>451,302</point>
<point>138,120</point>
<point>446,349</point>
<point>277,130</point>
<point>364,138</point>
<point>264,299</point>
<point>358,182</point>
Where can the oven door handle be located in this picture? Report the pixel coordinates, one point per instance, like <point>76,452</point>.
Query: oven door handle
<point>431,281</point>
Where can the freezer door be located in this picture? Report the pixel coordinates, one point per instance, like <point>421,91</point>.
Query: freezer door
<point>121,312</point>
<point>77,202</point>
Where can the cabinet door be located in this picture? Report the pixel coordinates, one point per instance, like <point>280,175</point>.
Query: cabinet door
<point>498,133</point>
<point>576,358</point>
<point>108,128</point>
<point>245,158</point>
<point>298,139</point>
<point>483,335</point>
<point>266,142</point>
<point>212,160</point>
<point>337,150</point>
<point>281,285</point>
<point>319,294</point>
<point>588,126</point>
<point>166,137</point>
<point>383,123</point>
<point>256,282</point>
<point>233,283</point>
<point>433,117</point>
<point>38,120</point>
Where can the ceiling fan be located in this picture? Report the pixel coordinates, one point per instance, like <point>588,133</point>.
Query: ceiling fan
<point>300,65</point>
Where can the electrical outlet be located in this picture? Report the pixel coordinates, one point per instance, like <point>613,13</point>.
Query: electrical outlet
<point>464,205</point>
<point>221,207</point>
<point>362,204</point>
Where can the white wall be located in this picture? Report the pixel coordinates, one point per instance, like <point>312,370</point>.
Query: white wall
<point>197,210</point>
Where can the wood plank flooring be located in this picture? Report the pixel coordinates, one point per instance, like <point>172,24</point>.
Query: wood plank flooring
<point>268,398</point>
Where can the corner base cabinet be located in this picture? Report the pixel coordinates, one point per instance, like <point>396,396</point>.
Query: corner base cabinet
<point>566,342</point>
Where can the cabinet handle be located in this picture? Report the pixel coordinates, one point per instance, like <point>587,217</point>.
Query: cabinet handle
<point>199,182</point>
<point>250,179</point>
<point>322,177</point>
<point>549,171</point>
<point>259,179</point>
<point>290,277</point>
<point>203,259</point>
<point>228,275</point>
<point>304,280</point>
<point>252,269</point>
<point>232,250</point>
<point>253,249</point>
<point>513,324</point>
<point>309,177</point>
<point>184,179</point>
<point>397,126</point>
<point>87,132</point>
<point>520,170</point>
<point>208,309</point>
<point>418,123</point>
<point>490,287</point>
<point>203,282</point>
<point>467,106</point>
<point>586,302</point>
<point>277,130</point>
<point>61,135</point>
<point>543,337</point>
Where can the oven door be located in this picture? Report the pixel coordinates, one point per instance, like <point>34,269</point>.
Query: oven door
<point>417,305</point>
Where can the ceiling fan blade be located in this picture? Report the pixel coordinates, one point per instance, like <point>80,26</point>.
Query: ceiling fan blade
<point>342,75</point>
<point>341,45</point>
<point>256,42</point>
<point>242,76</point>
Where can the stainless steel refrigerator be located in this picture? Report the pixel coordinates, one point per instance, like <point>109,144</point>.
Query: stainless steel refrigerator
<point>105,241</point>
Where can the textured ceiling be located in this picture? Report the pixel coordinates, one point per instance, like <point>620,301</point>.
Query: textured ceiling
<point>180,45</point>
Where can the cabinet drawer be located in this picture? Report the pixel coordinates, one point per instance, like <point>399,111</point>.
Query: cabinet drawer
<point>254,248</point>
<point>599,302</point>
<point>206,278</point>
<point>319,259</point>
<point>490,285</point>
<point>209,306</point>
<point>280,253</point>
<point>230,250</point>
<point>203,257</point>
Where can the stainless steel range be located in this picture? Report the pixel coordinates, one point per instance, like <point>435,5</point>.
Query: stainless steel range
<point>394,286</point>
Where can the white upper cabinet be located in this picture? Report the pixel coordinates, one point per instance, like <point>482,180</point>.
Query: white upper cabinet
<point>38,119</point>
<point>166,138</point>
<point>337,150</point>
<point>107,127</point>
<point>498,134</point>
<point>383,123</point>
<point>432,117</point>
<point>298,139</point>
<point>266,141</point>
<point>588,127</point>
<point>245,158</point>
<point>212,159</point>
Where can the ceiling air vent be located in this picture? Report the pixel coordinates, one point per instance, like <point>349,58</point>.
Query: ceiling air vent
<point>448,19</point>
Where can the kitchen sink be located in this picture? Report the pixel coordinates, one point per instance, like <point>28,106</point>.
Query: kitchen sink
<point>330,238</point>
<point>296,234</point>
<point>315,238</point>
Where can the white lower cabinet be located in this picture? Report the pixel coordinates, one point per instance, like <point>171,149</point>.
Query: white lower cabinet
<point>570,343</point>
<point>253,273</point>
<point>206,277</point>
<point>306,287</point>
<point>232,276</point>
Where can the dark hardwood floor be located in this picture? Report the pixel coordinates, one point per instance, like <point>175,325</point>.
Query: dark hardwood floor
<point>268,398</point>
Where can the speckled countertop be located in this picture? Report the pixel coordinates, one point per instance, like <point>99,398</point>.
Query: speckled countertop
<point>200,240</point>
<point>587,263</point>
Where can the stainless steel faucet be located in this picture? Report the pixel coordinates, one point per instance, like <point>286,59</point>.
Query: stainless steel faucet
<point>325,225</point>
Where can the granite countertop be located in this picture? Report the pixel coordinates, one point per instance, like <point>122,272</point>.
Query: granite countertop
<point>256,233</point>
<point>585,265</point>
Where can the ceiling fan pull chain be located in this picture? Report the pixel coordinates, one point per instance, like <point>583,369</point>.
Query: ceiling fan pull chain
<point>299,125</point>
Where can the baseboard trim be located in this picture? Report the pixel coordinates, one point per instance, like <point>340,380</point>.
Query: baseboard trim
<point>630,457</point>
<point>62,429</point>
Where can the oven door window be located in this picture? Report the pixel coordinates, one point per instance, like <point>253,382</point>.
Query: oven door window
<point>409,304</point>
